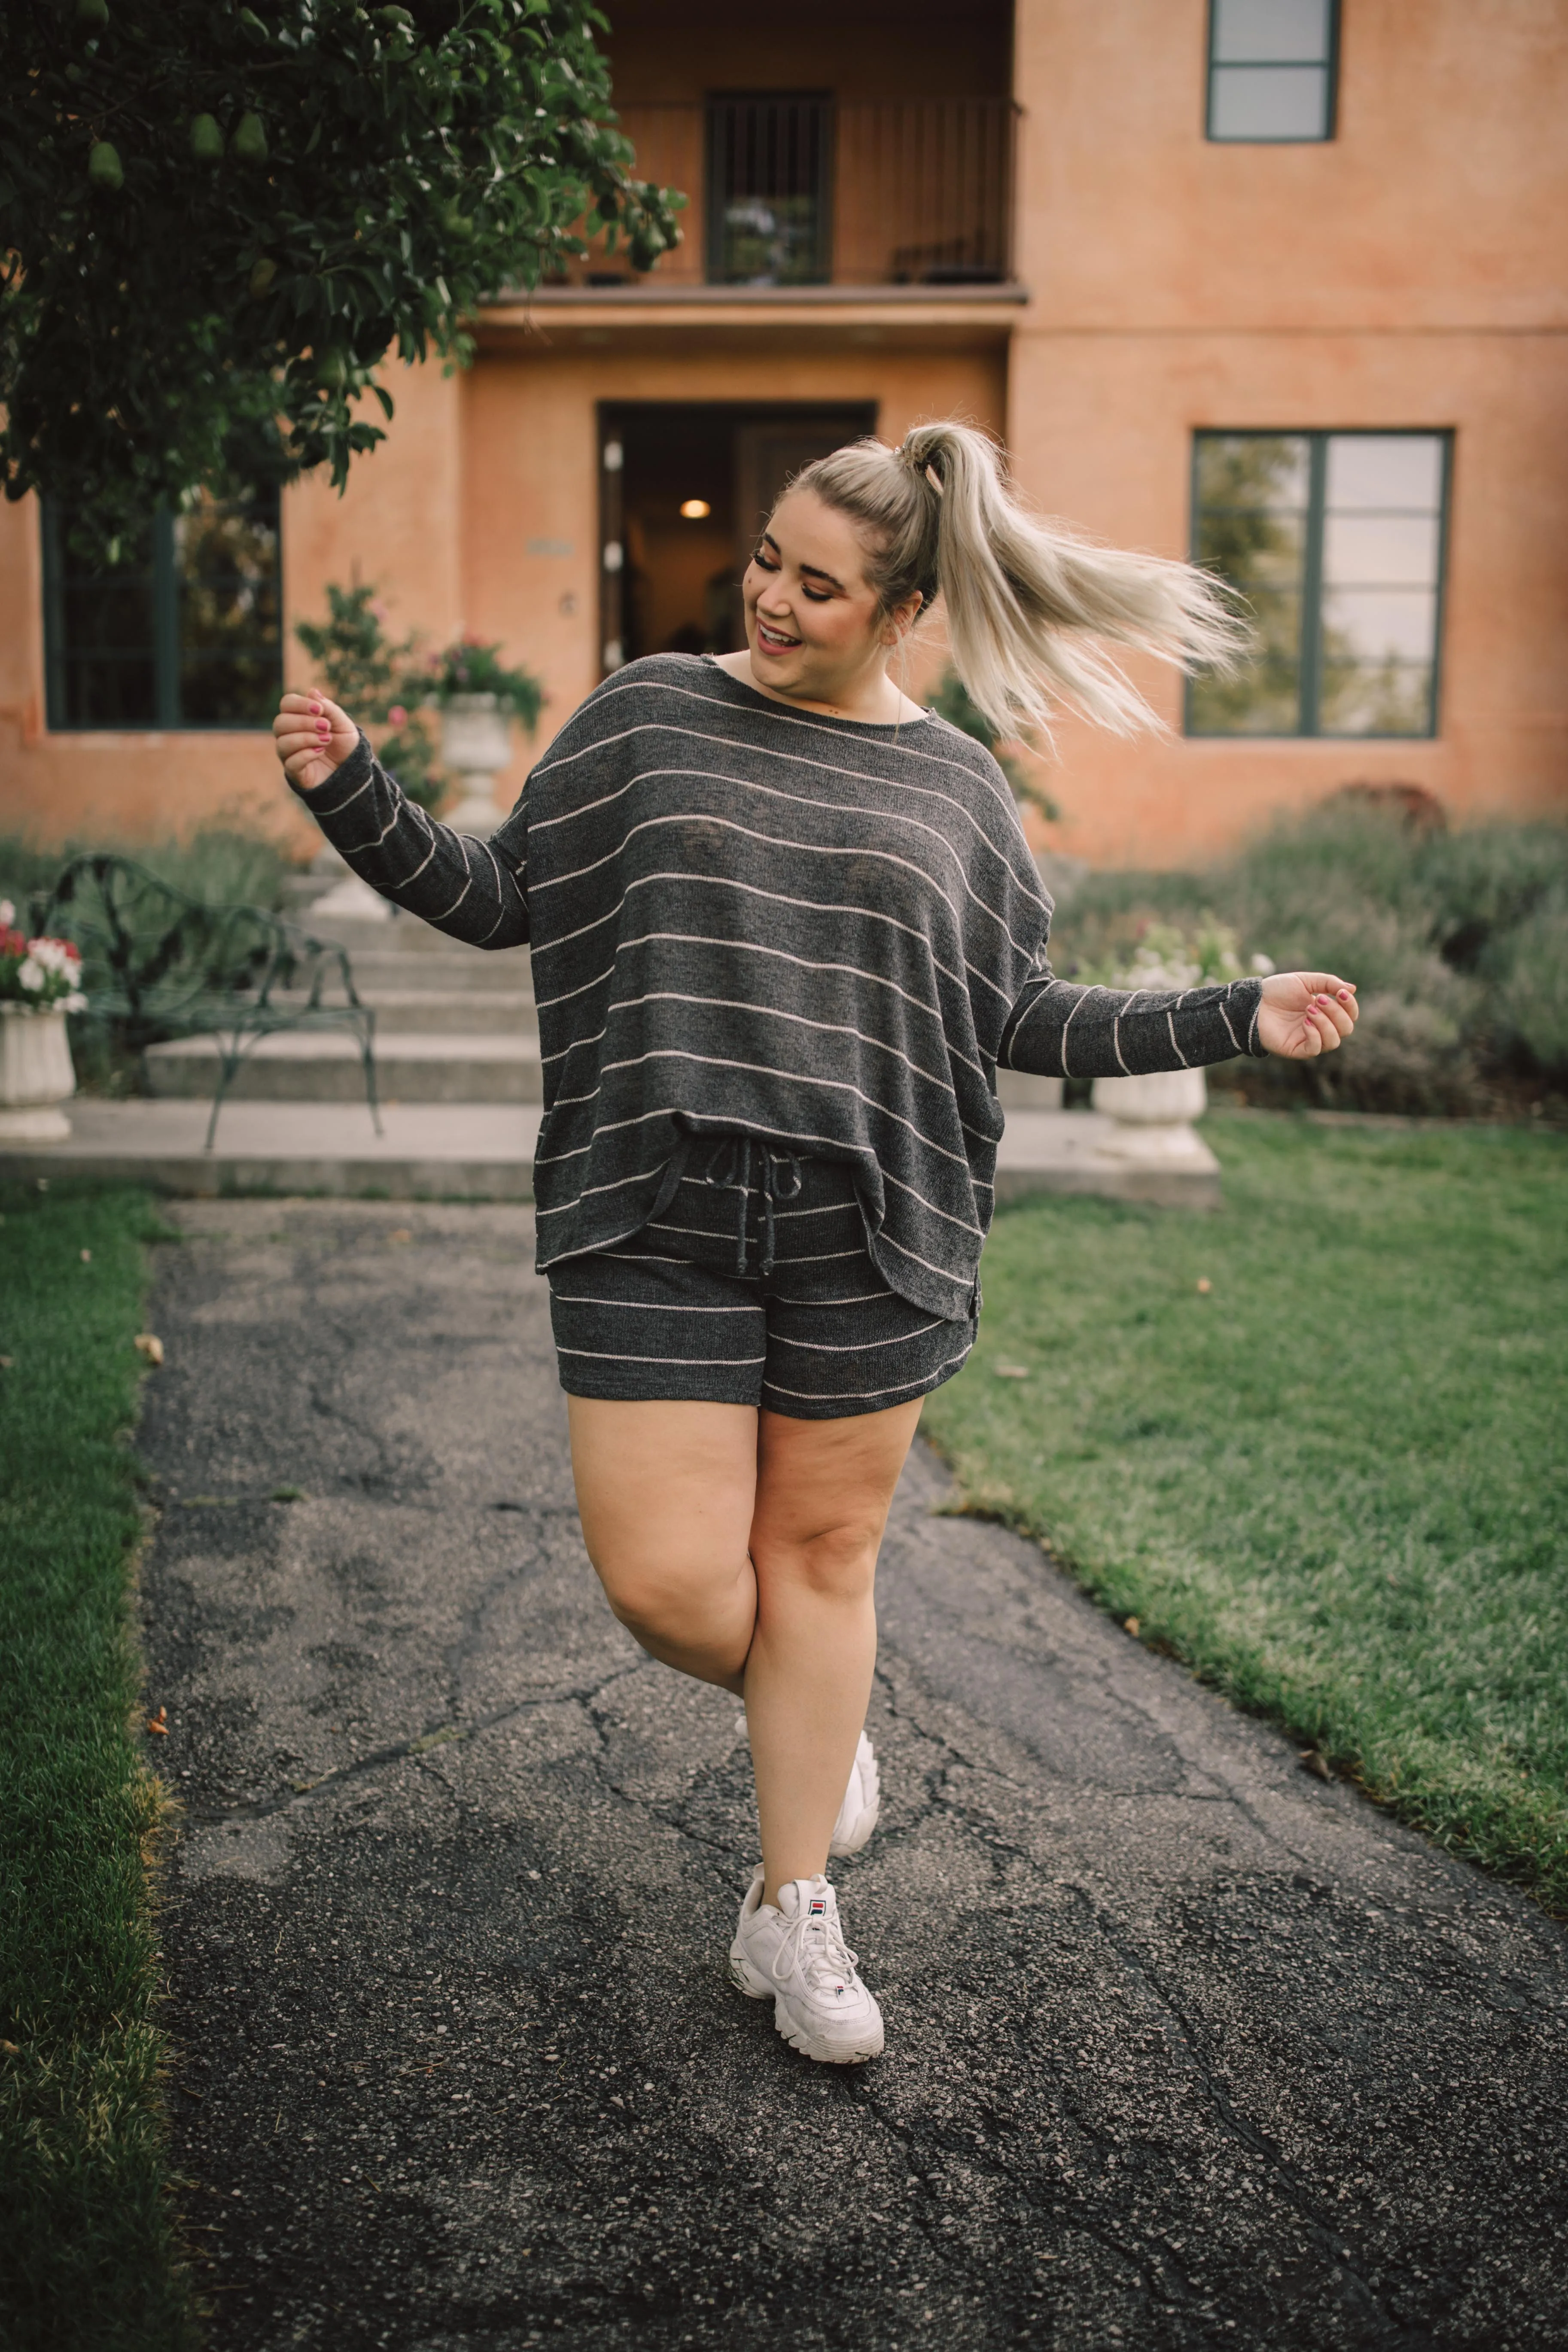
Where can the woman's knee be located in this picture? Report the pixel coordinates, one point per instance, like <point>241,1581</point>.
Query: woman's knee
<point>836,1562</point>
<point>669,1602</point>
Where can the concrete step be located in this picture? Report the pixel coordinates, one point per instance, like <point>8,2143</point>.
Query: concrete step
<point>473,1151</point>
<point>445,1011</point>
<point>464,968</point>
<point>484,1151</point>
<point>401,934</point>
<point>323,1067</point>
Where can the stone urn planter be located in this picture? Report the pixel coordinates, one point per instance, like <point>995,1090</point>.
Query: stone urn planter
<point>476,745</point>
<point>1154,1113</point>
<point>36,1074</point>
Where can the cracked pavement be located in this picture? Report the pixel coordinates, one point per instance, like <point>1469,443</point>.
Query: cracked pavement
<point>1185,2048</point>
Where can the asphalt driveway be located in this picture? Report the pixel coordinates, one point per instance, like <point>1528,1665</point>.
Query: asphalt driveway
<point>1185,2048</point>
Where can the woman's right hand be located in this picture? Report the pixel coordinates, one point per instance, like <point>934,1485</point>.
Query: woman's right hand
<point>311,737</point>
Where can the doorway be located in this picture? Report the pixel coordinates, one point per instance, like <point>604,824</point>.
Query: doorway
<point>685,486</point>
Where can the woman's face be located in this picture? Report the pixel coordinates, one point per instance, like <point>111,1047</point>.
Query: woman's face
<point>812,621</point>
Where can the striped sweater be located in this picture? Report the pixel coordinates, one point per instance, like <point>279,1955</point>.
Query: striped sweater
<point>744,918</point>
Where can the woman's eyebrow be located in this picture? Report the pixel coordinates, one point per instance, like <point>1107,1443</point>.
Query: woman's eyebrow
<point>810,571</point>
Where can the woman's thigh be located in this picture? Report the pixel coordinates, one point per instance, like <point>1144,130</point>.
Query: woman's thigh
<point>822,1493</point>
<point>665,1491</point>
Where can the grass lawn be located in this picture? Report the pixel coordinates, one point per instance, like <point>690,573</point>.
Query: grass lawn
<point>87,2249</point>
<point>1336,1481</point>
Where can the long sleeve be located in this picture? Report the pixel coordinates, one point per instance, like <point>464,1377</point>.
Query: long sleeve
<point>1059,1029</point>
<point>474,890</point>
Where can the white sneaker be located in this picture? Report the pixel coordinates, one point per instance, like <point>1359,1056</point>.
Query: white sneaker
<point>862,1802</point>
<point>797,1953</point>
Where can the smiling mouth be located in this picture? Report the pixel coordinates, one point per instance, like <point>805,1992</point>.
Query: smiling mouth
<point>774,641</point>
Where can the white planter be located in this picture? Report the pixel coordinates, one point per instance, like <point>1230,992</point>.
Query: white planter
<point>1160,1098</point>
<point>1152,1113</point>
<point>36,1074</point>
<point>476,744</point>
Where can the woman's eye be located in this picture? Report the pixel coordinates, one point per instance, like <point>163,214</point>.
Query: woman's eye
<point>815,595</point>
<point>761,559</point>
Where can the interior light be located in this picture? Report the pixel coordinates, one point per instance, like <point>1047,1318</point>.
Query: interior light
<point>696,510</point>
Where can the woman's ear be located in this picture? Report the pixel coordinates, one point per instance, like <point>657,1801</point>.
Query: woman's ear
<point>899,623</point>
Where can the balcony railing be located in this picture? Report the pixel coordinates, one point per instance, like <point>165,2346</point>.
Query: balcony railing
<point>795,189</point>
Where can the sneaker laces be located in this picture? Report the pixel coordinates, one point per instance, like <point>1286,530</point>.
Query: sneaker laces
<point>813,1943</point>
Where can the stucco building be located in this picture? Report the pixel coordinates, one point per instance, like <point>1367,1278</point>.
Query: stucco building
<point>1278,281</point>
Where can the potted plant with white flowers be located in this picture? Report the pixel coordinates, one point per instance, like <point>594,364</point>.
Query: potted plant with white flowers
<point>40,983</point>
<point>1155,1109</point>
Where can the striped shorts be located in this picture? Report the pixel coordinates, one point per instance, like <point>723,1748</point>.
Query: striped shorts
<point>754,1286</point>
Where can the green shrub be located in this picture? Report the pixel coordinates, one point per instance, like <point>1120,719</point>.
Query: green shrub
<point>223,867</point>
<point>1531,997</point>
<point>1458,943</point>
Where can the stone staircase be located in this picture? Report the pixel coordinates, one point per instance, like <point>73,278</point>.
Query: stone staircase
<point>453,1025</point>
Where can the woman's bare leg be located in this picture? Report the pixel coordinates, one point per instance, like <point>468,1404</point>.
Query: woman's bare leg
<point>666,1492</point>
<point>823,1492</point>
<point>742,1549</point>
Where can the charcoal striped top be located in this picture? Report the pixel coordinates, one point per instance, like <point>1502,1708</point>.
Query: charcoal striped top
<point>749,918</point>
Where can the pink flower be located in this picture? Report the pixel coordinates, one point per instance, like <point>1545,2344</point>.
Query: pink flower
<point>397,715</point>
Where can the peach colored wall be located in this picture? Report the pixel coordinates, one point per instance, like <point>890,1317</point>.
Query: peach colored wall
<point>397,522</point>
<point>530,442</point>
<point>1441,201</point>
<point>1410,272</point>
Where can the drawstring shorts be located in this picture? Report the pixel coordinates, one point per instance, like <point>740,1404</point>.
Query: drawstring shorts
<point>753,1286</point>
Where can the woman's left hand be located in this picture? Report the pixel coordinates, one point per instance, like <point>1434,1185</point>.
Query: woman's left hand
<point>1304,1013</point>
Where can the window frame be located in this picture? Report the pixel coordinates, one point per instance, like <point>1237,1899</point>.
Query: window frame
<point>1309,692</point>
<point>1330,66</point>
<point>165,645</point>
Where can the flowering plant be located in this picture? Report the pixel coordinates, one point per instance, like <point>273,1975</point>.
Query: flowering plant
<point>471,666</point>
<point>38,973</point>
<point>1166,958</point>
<point>369,674</point>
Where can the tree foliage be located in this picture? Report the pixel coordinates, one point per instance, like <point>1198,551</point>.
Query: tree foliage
<point>216,221</point>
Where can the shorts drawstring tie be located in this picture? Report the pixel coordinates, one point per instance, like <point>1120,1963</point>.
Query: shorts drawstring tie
<point>778,1178</point>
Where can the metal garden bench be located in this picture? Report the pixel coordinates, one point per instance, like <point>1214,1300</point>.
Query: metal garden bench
<point>158,965</point>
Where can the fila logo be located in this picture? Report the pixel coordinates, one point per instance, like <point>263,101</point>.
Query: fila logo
<point>815,1904</point>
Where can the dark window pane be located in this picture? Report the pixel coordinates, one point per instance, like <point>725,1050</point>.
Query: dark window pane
<point>106,692</point>
<point>107,674</point>
<point>225,558</point>
<point>1265,102</point>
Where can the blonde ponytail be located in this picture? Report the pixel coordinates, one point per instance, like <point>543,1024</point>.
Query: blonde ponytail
<point>1030,604</point>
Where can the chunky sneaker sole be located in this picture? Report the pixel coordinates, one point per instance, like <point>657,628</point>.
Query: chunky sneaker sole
<point>862,1802</point>
<point>820,1974</point>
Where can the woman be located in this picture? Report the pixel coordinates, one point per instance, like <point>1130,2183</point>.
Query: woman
<point>784,928</point>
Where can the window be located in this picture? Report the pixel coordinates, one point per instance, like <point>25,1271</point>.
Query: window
<point>767,180</point>
<point>1336,542</point>
<point>1272,69</point>
<point>186,631</point>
